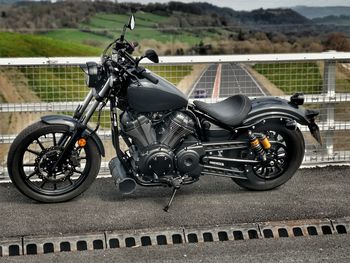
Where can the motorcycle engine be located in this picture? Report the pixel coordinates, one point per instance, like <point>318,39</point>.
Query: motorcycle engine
<point>156,138</point>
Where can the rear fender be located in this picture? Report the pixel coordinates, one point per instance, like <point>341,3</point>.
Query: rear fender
<point>73,124</point>
<point>264,108</point>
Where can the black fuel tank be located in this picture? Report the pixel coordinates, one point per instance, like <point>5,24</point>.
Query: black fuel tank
<point>149,97</point>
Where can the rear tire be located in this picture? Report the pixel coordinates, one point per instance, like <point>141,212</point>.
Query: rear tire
<point>295,148</point>
<point>33,149</point>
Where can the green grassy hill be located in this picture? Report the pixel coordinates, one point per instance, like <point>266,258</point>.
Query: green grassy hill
<point>23,45</point>
<point>291,77</point>
<point>59,83</point>
<point>102,28</point>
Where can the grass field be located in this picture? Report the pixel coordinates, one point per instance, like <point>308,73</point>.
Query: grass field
<point>116,22</point>
<point>23,45</point>
<point>146,27</point>
<point>343,85</point>
<point>79,37</point>
<point>342,79</point>
<point>56,83</point>
<point>293,77</point>
<point>67,83</point>
<point>174,74</point>
<point>106,27</point>
<point>61,83</point>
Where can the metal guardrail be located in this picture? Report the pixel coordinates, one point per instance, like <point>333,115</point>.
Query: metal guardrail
<point>283,57</point>
<point>41,77</point>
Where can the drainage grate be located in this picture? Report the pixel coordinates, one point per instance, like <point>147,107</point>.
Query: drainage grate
<point>11,247</point>
<point>138,238</point>
<point>47,244</point>
<point>31,245</point>
<point>297,228</point>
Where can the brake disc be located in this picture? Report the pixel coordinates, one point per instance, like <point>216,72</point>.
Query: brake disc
<point>47,159</point>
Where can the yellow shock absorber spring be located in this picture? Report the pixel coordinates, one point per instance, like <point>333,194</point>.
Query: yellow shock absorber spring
<point>265,142</point>
<point>255,145</point>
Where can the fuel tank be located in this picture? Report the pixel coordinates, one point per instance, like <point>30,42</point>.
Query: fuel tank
<point>146,96</point>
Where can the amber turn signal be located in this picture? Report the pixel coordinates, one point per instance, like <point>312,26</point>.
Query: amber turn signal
<point>82,142</point>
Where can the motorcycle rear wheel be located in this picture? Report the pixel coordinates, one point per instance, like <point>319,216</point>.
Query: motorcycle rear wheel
<point>287,154</point>
<point>33,153</point>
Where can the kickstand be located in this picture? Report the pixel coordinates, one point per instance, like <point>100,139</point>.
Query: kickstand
<point>171,200</point>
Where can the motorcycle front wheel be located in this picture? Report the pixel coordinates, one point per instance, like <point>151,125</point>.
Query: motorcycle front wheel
<point>31,160</point>
<point>283,158</point>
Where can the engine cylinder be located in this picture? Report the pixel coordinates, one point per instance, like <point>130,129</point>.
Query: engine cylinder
<point>156,142</point>
<point>140,130</point>
<point>180,125</point>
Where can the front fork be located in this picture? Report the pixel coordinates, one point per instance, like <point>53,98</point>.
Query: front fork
<point>82,120</point>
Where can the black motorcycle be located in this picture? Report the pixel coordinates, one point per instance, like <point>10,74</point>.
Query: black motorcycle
<point>170,141</point>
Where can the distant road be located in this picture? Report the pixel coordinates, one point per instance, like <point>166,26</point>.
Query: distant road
<point>235,79</point>
<point>205,82</point>
<point>232,79</point>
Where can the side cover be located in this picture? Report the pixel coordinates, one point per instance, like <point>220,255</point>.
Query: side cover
<point>72,123</point>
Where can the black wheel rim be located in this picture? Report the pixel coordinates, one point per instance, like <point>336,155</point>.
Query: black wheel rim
<point>44,182</point>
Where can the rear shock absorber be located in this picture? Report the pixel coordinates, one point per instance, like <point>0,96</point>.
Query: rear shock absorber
<point>264,141</point>
<point>256,146</point>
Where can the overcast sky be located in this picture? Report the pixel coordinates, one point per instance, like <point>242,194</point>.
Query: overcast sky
<point>255,4</point>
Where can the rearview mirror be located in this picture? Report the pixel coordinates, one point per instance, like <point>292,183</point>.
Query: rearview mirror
<point>131,24</point>
<point>152,55</point>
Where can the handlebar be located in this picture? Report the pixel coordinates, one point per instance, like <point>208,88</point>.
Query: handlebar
<point>123,49</point>
<point>126,45</point>
<point>150,77</point>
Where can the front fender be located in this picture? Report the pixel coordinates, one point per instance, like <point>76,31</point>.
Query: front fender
<point>72,124</point>
<point>264,108</point>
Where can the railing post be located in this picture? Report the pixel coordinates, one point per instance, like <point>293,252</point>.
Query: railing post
<point>329,83</point>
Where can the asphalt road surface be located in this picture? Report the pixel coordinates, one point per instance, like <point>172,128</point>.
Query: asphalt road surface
<point>234,79</point>
<point>205,82</point>
<point>310,194</point>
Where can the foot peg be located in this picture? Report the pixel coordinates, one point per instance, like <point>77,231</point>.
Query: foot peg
<point>126,184</point>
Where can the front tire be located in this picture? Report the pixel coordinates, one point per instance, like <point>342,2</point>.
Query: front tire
<point>32,153</point>
<point>292,142</point>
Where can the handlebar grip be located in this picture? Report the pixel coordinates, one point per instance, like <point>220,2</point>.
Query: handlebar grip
<point>150,77</point>
<point>110,66</point>
<point>134,44</point>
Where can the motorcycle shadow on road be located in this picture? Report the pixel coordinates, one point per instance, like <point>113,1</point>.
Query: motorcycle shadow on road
<point>206,188</point>
<point>103,189</point>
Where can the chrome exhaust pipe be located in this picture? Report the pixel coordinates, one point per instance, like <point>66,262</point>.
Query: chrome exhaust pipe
<point>126,184</point>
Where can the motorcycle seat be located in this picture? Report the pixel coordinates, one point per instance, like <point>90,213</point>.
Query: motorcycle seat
<point>231,111</point>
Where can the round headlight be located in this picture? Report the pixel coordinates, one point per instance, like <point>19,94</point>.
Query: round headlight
<point>92,74</point>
